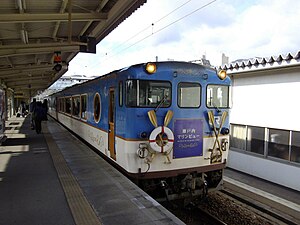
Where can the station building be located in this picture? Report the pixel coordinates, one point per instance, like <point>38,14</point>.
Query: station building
<point>265,124</point>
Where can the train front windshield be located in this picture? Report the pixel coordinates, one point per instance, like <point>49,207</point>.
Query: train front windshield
<point>217,96</point>
<point>145,93</point>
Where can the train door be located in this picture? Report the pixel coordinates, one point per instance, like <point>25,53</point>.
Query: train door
<point>111,125</point>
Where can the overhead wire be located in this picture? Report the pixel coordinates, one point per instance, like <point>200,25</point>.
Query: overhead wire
<point>160,19</point>
<point>159,30</point>
<point>168,25</point>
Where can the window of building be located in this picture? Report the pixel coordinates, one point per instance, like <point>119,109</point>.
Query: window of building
<point>97,107</point>
<point>189,95</point>
<point>256,139</point>
<point>217,96</point>
<point>76,106</point>
<point>238,136</point>
<point>295,148</point>
<point>144,93</point>
<point>278,145</point>
<point>83,99</point>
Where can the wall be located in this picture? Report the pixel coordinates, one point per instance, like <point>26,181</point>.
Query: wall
<point>266,98</point>
<point>276,172</point>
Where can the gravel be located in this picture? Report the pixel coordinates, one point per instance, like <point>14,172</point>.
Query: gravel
<point>231,211</point>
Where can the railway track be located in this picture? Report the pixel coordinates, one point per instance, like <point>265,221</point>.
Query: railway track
<point>264,210</point>
<point>272,207</point>
<point>192,214</point>
<point>229,207</point>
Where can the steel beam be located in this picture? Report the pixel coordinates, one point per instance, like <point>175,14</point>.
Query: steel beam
<point>26,50</point>
<point>51,17</point>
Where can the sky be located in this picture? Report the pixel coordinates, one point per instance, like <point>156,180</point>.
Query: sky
<point>185,30</point>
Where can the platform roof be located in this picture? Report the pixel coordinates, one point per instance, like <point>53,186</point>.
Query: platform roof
<point>263,63</point>
<point>32,32</point>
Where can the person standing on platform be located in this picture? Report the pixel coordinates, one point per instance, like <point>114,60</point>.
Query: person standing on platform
<point>38,116</point>
<point>23,109</point>
<point>45,106</point>
<point>31,110</point>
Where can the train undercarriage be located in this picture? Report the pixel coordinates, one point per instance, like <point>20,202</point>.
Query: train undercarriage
<point>185,186</point>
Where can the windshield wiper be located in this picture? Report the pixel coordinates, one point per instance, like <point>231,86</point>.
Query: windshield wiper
<point>161,103</point>
<point>218,109</point>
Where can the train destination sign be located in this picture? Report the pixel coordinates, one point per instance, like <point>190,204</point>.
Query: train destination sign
<point>188,138</point>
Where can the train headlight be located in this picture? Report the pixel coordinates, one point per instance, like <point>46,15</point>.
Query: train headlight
<point>225,131</point>
<point>150,68</point>
<point>222,74</point>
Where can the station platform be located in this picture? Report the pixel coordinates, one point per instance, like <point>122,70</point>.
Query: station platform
<point>279,191</point>
<point>53,178</point>
<point>283,201</point>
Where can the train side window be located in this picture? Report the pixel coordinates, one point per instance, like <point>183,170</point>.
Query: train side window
<point>83,99</point>
<point>68,105</point>
<point>59,105</point>
<point>54,105</point>
<point>189,95</point>
<point>120,93</point>
<point>131,93</point>
<point>63,103</point>
<point>76,106</point>
<point>97,107</point>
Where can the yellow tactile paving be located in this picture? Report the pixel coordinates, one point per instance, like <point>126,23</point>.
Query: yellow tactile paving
<point>82,211</point>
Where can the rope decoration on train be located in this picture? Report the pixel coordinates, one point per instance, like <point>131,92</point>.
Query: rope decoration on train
<point>216,155</point>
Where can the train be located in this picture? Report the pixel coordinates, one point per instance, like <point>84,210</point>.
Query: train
<point>3,137</point>
<point>165,125</point>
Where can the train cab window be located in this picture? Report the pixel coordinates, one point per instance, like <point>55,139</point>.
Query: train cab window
<point>68,105</point>
<point>217,96</point>
<point>144,93</point>
<point>83,100</point>
<point>97,107</point>
<point>76,106</point>
<point>189,95</point>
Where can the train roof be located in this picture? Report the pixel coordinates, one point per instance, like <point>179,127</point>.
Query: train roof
<point>161,64</point>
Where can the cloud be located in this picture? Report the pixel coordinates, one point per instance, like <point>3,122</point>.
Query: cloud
<point>240,29</point>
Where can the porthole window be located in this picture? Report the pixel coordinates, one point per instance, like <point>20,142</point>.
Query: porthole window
<point>97,107</point>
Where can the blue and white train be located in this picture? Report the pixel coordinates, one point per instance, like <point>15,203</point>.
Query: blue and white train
<point>164,124</point>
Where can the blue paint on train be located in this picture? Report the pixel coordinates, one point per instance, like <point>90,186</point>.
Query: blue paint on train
<point>131,122</point>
